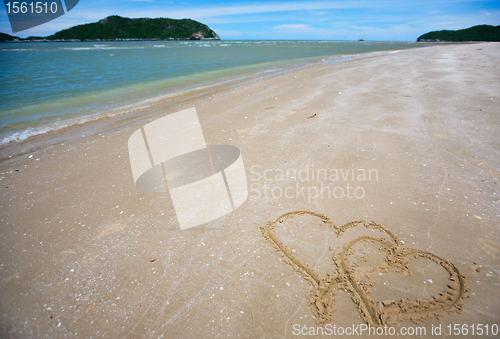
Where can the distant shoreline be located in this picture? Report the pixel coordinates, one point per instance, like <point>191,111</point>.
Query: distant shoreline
<point>99,40</point>
<point>39,136</point>
<point>226,40</point>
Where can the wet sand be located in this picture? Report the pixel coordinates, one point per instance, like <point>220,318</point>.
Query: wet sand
<point>409,144</point>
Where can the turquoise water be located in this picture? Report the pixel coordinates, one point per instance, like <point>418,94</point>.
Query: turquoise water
<point>49,86</point>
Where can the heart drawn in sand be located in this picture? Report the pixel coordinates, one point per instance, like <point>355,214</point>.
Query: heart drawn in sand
<point>347,278</point>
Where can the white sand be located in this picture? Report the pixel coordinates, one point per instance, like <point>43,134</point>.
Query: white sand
<point>85,254</point>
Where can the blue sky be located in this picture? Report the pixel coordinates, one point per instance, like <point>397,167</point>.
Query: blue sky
<point>315,20</point>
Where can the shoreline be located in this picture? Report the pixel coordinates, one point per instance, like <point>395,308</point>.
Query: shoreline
<point>35,139</point>
<point>85,253</point>
<point>109,40</point>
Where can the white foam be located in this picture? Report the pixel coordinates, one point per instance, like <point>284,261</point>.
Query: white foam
<point>16,49</point>
<point>96,48</point>
<point>34,131</point>
<point>30,132</point>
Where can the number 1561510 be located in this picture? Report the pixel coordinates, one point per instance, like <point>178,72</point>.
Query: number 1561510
<point>32,7</point>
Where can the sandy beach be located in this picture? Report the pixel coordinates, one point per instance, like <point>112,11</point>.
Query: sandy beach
<point>410,144</point>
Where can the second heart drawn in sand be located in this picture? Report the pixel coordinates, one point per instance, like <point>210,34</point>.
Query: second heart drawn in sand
<point>348,275</point>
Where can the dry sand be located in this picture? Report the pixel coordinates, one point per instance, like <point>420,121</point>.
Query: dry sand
<point>85,254</point>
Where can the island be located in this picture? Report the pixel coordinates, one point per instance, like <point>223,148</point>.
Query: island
<point>6,37</point>
<point>475,33</point>
<point>119,28</point>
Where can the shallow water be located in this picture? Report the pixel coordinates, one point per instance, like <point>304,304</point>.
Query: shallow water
<point>50,86</point>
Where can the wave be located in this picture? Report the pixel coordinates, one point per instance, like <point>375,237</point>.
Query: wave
<point>96,48</point>
<point>30,132</point>
<point>46,129</point>
<point>338,59</point>
<point>16,49</point>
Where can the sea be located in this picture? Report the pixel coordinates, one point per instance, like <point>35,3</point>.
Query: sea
<point>50,86</point>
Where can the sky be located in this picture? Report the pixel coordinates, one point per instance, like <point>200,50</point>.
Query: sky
<point>382,20</point>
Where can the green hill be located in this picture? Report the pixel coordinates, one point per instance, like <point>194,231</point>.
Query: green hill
<point>7,37</point>
<point>476,33</point>
<point>118,28</point>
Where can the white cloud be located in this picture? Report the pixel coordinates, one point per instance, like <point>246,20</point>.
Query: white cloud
<point>259,8</point>
<point>318,13</point>
<point>295,27</point>
<point>219,11</point>
<point>228,34</point>
<point>303,31</point>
